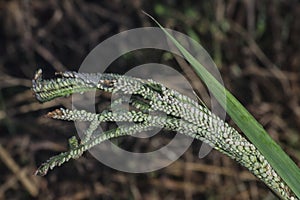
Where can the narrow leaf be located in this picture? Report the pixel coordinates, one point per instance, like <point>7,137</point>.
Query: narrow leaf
<point>278,159</point>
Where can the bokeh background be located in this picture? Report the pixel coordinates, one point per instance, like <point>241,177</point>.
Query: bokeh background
<point>256,45</point>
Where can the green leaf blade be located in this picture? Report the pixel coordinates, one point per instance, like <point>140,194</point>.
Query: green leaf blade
<point>254,131</point>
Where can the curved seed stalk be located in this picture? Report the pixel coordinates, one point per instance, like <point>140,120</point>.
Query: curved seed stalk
<point>181,114</point>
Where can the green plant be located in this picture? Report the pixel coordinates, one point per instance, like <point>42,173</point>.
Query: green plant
<point>277,158</point>
<point>182,114</point>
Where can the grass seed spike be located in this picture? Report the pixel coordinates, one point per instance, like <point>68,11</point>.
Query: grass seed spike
<point>182,115</point>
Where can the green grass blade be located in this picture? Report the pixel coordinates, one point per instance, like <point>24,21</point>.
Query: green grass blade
<point>278,159</point>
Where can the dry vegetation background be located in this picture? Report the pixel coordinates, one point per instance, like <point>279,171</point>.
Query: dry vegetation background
<point>256,44</point>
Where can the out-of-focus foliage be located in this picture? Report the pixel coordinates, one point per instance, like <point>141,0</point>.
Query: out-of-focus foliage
<point>254,43</point>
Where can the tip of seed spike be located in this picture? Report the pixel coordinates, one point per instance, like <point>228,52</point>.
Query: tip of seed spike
<point>56,112</point>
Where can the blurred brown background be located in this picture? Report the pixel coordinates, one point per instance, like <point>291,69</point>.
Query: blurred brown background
<point>256,45</point>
